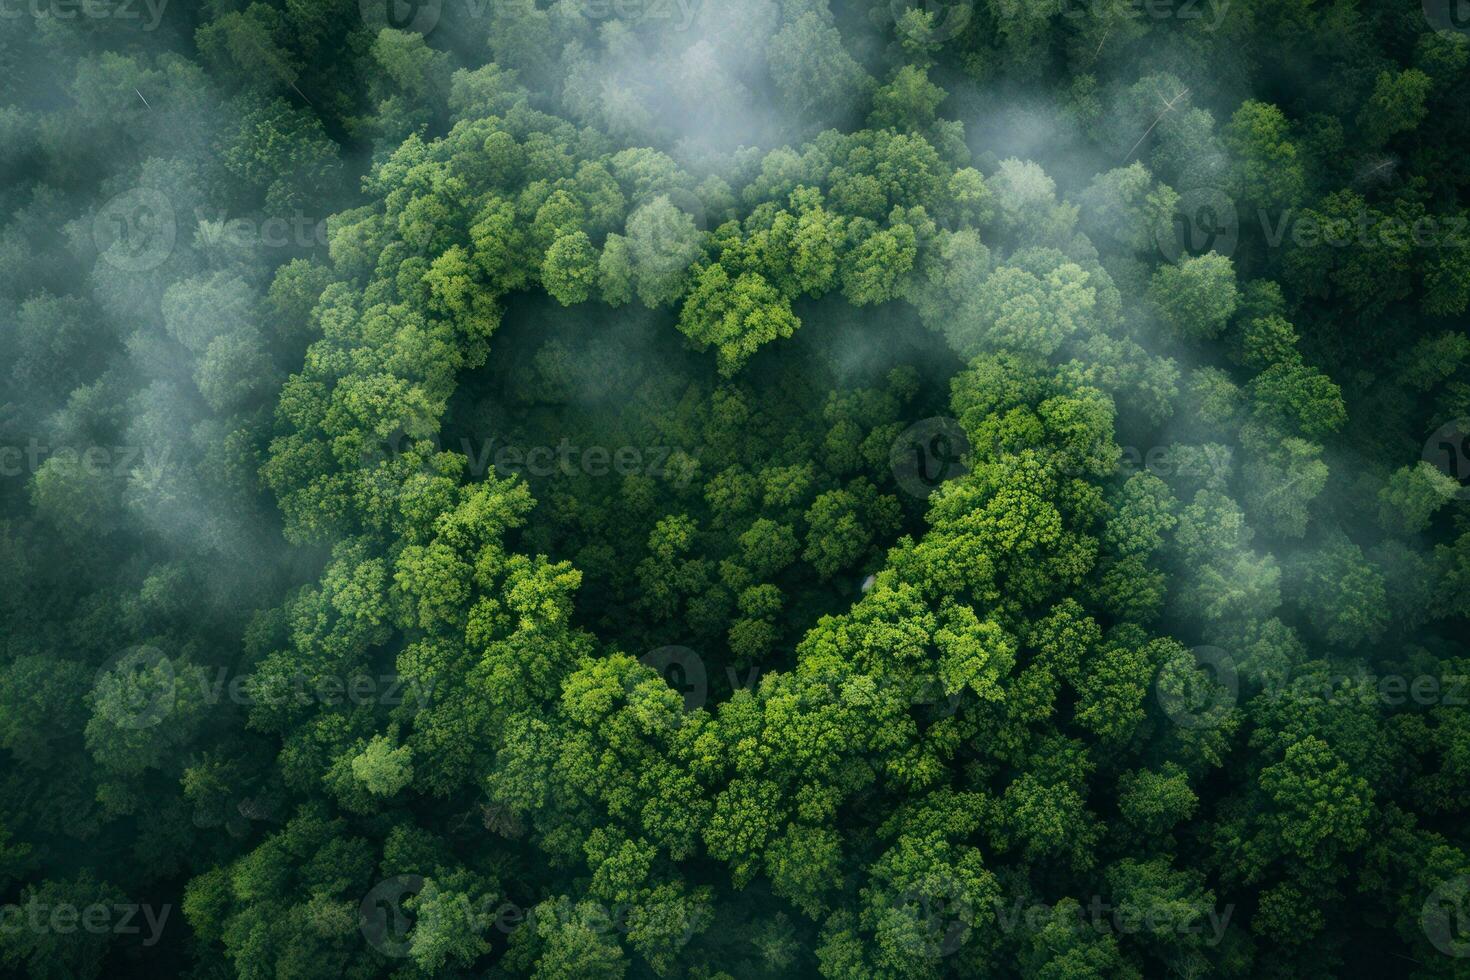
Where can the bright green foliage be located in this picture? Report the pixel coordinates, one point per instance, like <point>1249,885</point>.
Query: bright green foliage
<point>735,316</point>
<point>875,270</point>
<point>1396,105</point>
<point>383,769</point>
<point>1294,395</point>
<point>1018,310</point>
<point>1154,802</point>
<point>1124,206</point>
<point>1411,496</point>
<point>1281,487</point>
<point>1269,168</point>
<point>662,243</point>
<point>1269,340</point>
<point>570,269</point>
<point>907,102</point>
<point>1343,594</point>
<point>1196,297</point>
<point>490,579</point>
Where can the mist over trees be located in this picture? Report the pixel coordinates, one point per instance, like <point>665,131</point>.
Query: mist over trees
<point>777,488</point>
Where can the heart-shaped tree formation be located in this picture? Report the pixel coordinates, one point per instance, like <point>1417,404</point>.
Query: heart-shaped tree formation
<point>956,721</point>
<point>869,557</point>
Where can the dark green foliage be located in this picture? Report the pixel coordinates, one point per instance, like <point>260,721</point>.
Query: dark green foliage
<point>734,490</point>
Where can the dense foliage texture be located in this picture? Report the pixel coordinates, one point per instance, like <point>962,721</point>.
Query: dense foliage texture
<point>719,491</point>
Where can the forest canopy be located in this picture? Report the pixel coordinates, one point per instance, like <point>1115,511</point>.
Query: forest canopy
<point>777,488</point>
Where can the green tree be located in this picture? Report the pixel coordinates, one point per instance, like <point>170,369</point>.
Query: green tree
<point>1268,165</point>
<point>570,269</point>
<point>812,70</point>
<point>1196,297</point>
<point>1397,105</point>
<point>735,316</point>
<point>1411,496</point>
